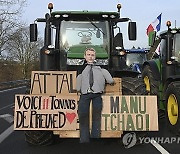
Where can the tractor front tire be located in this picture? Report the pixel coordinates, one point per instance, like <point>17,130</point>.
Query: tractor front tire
<point>152,85</point>
<point>133,86</point>
<point>39,138</point>
<point>172,100</point>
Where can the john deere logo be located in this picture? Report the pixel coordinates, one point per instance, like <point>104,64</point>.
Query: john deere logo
<point>129,140</point>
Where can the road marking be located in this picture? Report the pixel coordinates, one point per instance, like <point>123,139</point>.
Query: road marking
<point>9,118</point>
<point>12,89</point>
<point>159,147</point>
<point>12,106</point>
<point>6,133</point>
<point>6,106</point>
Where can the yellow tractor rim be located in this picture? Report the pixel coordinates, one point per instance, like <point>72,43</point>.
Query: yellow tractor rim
<point>147,83</point>
<point>172,109</point>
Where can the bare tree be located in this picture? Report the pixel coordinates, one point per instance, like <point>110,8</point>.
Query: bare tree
<point>22,51</point>
<point>10,11</point>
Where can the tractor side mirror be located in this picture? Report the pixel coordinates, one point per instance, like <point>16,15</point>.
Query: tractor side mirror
<point>132,30</point>
<point>118,40</point>
<point>33,32</point>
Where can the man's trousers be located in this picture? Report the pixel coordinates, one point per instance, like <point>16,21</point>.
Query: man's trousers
<point>83,112</point>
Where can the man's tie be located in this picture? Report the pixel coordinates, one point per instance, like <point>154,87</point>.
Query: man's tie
<point>91,79</point>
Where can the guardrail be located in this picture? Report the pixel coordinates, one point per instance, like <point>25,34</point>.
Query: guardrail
<point>13,84</point>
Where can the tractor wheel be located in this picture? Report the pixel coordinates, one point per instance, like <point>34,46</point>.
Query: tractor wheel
<point>133,86</point>
<point>39,138</point>
<point>152,85</point>
<point>172,96</point>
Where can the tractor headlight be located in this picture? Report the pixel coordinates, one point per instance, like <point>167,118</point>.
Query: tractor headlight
<point>101,61</point>
<point>81,61</point>
<point>122,53</point>
<point>75,61</point>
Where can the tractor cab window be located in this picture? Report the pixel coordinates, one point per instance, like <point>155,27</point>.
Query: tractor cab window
<point>163,49</point>
<point>135,58</point>
<point>176,51</point>
<point>53,34</point>
<point>76,36</point>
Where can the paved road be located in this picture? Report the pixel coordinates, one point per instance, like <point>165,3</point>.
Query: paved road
<point>12,142</point>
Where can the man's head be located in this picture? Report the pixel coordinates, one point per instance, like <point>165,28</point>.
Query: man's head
<point>90,55</point>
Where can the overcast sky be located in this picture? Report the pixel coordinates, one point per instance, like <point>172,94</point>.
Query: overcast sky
<point>143,12</point>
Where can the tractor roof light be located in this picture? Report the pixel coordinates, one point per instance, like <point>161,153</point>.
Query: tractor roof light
<point>65,15</point>
<point>168,23</point>
<point>57,16</point>
<point>112,16</point>
<point>118,48</point>
<point>105,16</point>
<point>50,7</point>
<point>51,46</point>
<point>119,7</point>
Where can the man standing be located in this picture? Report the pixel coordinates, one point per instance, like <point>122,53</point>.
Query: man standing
<point>91,83</point>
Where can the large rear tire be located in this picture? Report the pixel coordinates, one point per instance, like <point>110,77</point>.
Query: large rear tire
<point>152,85</point>
<point>133,86</point>
<point>172,96</point>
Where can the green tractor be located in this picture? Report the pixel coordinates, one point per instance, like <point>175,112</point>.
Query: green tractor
<point>68,34</point>
<point>162,75</point>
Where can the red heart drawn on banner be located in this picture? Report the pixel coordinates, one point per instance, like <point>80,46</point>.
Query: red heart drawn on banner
<point>70,117</point>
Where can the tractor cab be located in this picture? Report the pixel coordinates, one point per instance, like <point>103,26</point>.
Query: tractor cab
<point>69,33</point>
<point>168,53</point>
<point>76,36</point>
<point>162,75</point>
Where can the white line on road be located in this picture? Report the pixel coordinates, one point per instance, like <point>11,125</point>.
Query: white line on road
<point>6,133</point>
<point>9,118</point>
<point>159,147</point>
<point>12,89</point>
<point>6,106</point>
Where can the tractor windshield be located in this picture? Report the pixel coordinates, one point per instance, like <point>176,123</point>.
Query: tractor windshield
<point>176,52</point>
<point>76,36</point>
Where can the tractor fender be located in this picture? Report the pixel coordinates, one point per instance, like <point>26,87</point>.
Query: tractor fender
<point>154,68</point>
<point>174,78</point>
<point>171,79</point>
